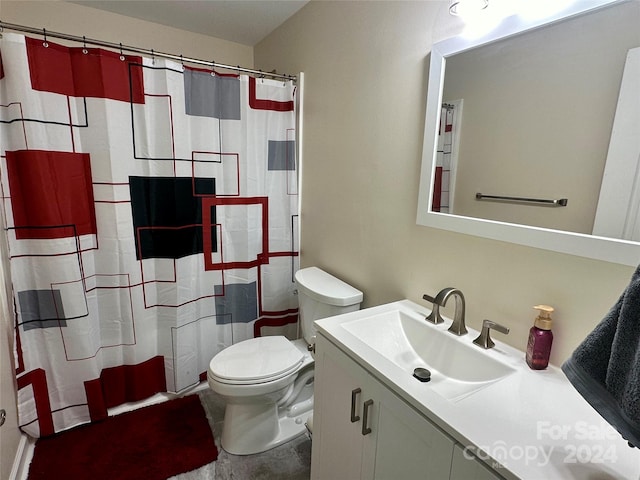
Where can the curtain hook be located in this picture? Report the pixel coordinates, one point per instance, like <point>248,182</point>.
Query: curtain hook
<point>182,62</point>
<point>153,57</point>
<point>84,45</point>
<point>121,54</point>
<point>213,68</point>
<point>45,44</point>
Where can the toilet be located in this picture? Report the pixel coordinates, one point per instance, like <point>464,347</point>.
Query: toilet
<point>267,382</point>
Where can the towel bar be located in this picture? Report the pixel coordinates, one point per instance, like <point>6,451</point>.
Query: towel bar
<point>561,202</point>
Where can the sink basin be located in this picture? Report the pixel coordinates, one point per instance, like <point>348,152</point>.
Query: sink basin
<point>402,336</point>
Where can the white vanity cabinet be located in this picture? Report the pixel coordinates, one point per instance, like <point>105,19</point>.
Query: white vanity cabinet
<point>362,430</point>
<point>484,416</point>
<point>465,466</point>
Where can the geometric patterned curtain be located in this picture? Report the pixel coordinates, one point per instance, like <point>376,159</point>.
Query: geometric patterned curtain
<point>151,218</point>
<point>442,175</point>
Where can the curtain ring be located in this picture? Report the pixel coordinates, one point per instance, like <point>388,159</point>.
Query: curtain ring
<point>121,54</point>
<point>213,68</point>
<point>84,45</point>
<point>45,44</point>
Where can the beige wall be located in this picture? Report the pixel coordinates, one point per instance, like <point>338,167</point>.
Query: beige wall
<point>537,116</point>
<point>365,67</point>
<point>79,20</point>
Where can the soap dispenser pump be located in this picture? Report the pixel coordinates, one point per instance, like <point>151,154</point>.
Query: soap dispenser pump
<point>540,339</point>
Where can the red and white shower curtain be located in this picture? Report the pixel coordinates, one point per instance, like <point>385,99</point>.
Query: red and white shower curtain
<point>442,176</point>
<point>150,211</point>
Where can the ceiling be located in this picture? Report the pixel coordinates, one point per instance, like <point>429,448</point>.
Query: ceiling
<point>241,21</point>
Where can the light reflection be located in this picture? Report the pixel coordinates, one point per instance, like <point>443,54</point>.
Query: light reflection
<point>484,21</point>
<point>540,9</point>
<point>480,23</point>
<point>464,8</point>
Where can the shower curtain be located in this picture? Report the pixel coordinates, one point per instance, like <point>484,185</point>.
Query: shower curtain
<point>442,175</point>
<point>150,211</point>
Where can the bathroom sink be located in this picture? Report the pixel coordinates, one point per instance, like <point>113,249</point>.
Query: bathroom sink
<point>402,336</point>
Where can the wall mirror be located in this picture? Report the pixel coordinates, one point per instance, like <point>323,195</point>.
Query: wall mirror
<point>539,109</point>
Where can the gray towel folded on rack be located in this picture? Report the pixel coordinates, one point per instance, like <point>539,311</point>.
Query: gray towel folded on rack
<point>605,368</point>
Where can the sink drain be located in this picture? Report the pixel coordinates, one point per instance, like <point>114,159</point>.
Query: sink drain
<point>422,374</point>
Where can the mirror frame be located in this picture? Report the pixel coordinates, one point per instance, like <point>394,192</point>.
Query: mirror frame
<point>599,248</point>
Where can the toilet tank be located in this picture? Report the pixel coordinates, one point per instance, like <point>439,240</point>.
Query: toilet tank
<point>322,295</point>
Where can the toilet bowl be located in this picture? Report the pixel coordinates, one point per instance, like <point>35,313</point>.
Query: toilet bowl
<point>267,382</point>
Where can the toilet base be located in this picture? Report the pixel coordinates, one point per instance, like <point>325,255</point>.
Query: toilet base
<point>249,428</point>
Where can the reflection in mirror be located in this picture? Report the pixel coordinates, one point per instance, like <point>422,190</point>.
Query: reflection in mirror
<point>539,111</point>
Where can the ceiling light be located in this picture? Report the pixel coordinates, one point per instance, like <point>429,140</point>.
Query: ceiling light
<point>467,7</point>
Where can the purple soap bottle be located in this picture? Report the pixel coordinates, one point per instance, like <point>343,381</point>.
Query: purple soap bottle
<point>540,339</point>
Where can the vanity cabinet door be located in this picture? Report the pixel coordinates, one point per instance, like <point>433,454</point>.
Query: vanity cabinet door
<point>467,467</point>
<point>339,393</point>
<point>362,430</point>
<point>408,445</point>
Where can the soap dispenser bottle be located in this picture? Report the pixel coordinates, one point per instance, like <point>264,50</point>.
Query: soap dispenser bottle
<point>540,339</point>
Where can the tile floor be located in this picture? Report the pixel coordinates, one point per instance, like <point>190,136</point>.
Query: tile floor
<point>291,461</point>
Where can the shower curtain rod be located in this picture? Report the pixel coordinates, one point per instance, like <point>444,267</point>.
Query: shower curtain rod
<point>143,51</point>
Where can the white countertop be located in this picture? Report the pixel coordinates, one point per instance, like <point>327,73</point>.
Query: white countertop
<point>528,425</point>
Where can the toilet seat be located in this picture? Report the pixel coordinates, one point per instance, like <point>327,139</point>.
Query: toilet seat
<point>257,360</point>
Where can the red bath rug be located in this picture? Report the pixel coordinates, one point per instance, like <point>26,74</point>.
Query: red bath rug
<point>151,443</point>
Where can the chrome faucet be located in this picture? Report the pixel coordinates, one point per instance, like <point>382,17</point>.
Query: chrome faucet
<point>457,326</point>
<point>484,339</point>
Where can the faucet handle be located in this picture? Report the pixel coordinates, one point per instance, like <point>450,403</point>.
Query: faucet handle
<point>484,339</point>
<point>434,317</point>
<point>428,298</point>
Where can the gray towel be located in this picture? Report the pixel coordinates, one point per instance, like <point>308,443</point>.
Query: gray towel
<point>605,368</point>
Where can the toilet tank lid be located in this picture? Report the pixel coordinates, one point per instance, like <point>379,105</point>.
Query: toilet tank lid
<point>326,288</point>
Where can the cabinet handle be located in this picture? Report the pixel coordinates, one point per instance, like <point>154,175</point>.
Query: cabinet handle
<point>354,399</point>
<point>366,430</point>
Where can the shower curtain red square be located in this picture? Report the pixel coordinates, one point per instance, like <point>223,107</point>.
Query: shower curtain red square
<point>51,194</point>
<point>97,73</point>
